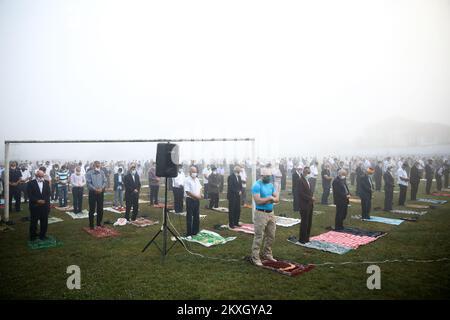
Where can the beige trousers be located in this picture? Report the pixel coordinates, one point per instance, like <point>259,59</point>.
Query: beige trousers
<point>264,230</point>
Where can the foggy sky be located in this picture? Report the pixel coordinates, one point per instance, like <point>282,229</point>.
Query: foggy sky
<point>299,76</point>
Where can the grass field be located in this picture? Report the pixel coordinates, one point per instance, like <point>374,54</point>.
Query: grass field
<point>115,268</point>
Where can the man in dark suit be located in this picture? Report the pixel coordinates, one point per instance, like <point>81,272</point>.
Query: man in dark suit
<point>132,188</point>
<point>306,205</point>
<point>39,195</point>
<point>341,196</point>
<point>213,186</point>
<point>14,190</point>
<point>429,175</point>
<point>295,185</point>
<point>326,183</point>
<point>446,173</point>
<point>359,172</point>
<point>388,189</point>
<point>414,179</point>
<point>378,175</point>
<point>234,197</point>
<point>365,193</point>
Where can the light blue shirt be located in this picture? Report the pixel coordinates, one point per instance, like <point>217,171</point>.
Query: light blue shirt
<point>264,190</point>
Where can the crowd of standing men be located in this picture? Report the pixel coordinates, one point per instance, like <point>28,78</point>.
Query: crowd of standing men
<point>43,184</point>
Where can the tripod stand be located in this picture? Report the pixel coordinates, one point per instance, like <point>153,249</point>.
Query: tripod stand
<point>164,230</point>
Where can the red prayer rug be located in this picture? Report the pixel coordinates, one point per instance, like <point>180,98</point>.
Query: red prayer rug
<point>101,232</point>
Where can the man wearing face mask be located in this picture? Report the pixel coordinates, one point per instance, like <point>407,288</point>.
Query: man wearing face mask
<point>193,190</point>
<point>78,181</point>
<point>265,195</point>
<point>402,177</point>
<point>341,196</point>
<point>365,193</point>
<point>132,188</point>
<point>14,180</point>
<point>39,195</point>
<point>306,205</point>
<point>234,197</point>
<point>96,181</point>
<point>388,189</point>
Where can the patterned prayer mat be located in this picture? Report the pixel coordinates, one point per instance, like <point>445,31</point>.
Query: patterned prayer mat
<point>286,222</point>
<point>432,201</point>
<point>440,194</point>
<point>208,238</point>
<point>390,221</point>
<point>344,239</point>
<point>362,232</point>
<point>285,267</point>
<point>417,206</point>
<point>101,232</point>
<point>419,213</point>
<point>323,246</point>
<point>142,222</point>
<point>245,228</point>
<point>83,215</point>
<point>50,242</point>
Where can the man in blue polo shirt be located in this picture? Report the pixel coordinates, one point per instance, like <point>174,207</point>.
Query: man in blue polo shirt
<point>265,196</point>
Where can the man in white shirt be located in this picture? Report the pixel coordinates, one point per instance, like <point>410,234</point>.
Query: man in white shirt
<point>26,176</point>
<point>206,172</point>
<point>402,180</point>
<point>193,191</point>
<point>314,173</point>
<point>78,181</point>
<point>178,190</point>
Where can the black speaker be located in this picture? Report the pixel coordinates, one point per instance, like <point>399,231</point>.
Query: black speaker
<point>167,160</point>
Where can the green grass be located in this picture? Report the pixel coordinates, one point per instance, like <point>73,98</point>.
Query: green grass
<point>115,268</point>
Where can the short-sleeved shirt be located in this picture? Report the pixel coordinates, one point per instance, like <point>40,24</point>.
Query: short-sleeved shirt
<point>264,190</point>
<point>192,185</point>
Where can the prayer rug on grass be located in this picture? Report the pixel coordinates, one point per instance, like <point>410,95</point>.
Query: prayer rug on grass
<point>208,238</point>
<point>50,242</point>
<point>183,214</point>
<point>221,209</point>
<point>286,222</point>
<point>287,200</point>
<point>353,200</point>
<point>362,232</point>
<point>142,222</point>
<point>440,194</point>
<point>115,210</point>
<point>390,221</point>
<point>285,267</point>
<point>323,246</point>
<point>432,201</point>
<point>245,228</point>
<point>417,206</point>
<point>344,239</point>
<point>83,215</point>
<point>419,213</point>
<point>101,232</point>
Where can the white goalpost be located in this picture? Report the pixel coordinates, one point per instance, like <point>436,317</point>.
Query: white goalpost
<point>8,143</point>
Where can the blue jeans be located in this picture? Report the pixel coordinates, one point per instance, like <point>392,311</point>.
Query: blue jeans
<point>118,197</point>
<point>62,190</point>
